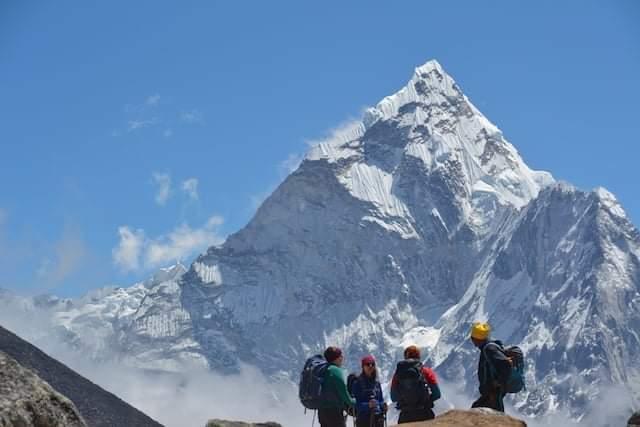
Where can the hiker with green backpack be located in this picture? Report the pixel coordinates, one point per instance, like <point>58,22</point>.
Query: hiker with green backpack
<point>323,388</point>
<point>500,369</point>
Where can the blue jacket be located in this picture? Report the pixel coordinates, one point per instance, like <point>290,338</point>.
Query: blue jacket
<point>364,388</point>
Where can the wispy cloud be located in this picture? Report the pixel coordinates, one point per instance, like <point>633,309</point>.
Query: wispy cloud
<point>163,182</point>
<point>67,257</point>
<point>182,242</point>
<point>345,131</point>
<point>136,251</point>
<point>291,163</point>
<point>152,100</point>
<point>133,125</point>
<point>158,113</point>
<point>190,186</point>
<point>192,117</point>
<point>127,254</point>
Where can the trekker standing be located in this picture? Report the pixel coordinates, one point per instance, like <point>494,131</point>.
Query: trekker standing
<point>414,387</point>
<point>494,368</point>
<point>335,396</point>
<point>370,406</point>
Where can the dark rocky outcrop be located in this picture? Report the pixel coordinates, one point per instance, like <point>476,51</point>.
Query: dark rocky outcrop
<point>481,417</point>
<point>634,421</point>
<point>28,401</point>
<point>98,407</point>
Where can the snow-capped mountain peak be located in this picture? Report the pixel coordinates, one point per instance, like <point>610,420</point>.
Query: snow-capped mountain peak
<point>430,127</point>
<point>402,228</point>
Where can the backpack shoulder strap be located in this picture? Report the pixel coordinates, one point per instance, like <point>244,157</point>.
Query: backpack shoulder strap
<point>488,361</point>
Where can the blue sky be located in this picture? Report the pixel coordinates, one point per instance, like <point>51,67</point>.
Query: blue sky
<point>156,127</point>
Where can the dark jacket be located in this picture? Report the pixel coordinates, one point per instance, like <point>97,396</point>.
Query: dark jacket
<point>429,377</point>
<point>494,367</point>
<point>365,388</point>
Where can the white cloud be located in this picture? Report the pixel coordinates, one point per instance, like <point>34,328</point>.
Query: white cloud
<point>134,125</point>
<point>136,252</point>
<point>163,181</point>
<point>190,186</point>
<point>127,254</point>
<point>291,163</point>
<point>345,131</point>
<point>68,256</point>
<point>192,117</point>
<point>215,221</point>
<point>182,242</point>
<point>152,100</point>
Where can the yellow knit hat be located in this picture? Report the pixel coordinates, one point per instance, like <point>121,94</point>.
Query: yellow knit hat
<point>480,330</point>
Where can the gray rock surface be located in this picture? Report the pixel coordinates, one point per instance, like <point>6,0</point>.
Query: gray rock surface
<point>98,407</point>
<point>223,423</point>
<point>28,401</point>
<point>471,418</point>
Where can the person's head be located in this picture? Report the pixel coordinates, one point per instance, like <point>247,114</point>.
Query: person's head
<point>480,332</point>
<point>368,364</point>
<point>412,352</point>
<point>334,355</point>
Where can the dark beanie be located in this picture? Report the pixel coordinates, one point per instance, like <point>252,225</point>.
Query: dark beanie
<point>332,353</point>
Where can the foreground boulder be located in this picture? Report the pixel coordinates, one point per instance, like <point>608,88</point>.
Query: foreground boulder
<point>98,407</point>
<point>480,417</point>
<point>28,401</point>
<point>222,423</point>
<point>634,421</point>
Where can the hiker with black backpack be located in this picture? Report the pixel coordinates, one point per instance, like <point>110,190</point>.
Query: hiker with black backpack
<point>370,406</point>
<point>414,387</point>
<point>323,388</point>
<point>500,369</point>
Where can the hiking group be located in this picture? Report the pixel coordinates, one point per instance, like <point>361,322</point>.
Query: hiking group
<point>414,386</point>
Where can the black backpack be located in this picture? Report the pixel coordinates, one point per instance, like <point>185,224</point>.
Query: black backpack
<point>412,388</point>
<point>311,379</point>
<point>515,383</point>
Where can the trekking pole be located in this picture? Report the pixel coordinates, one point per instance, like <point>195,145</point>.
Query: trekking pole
<point>372,411</point>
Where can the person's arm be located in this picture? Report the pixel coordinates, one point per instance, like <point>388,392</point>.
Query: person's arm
<point>499,361</point>
<point>393,391</point>
<point>362,402</point>
<point>432,382</point>
<point>379,398</point>
<point>337,381</point>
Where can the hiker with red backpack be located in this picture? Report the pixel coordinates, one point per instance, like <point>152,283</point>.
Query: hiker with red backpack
<point>370,406</point>
<point>500,369</point>
<point>414,387</point>
<point>323,388</point>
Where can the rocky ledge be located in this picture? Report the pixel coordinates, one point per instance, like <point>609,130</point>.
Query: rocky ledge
<point>480,417</point>
<point>28,401</point>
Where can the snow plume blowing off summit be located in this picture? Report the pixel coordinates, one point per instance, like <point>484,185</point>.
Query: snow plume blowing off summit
<point>403,228</point>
